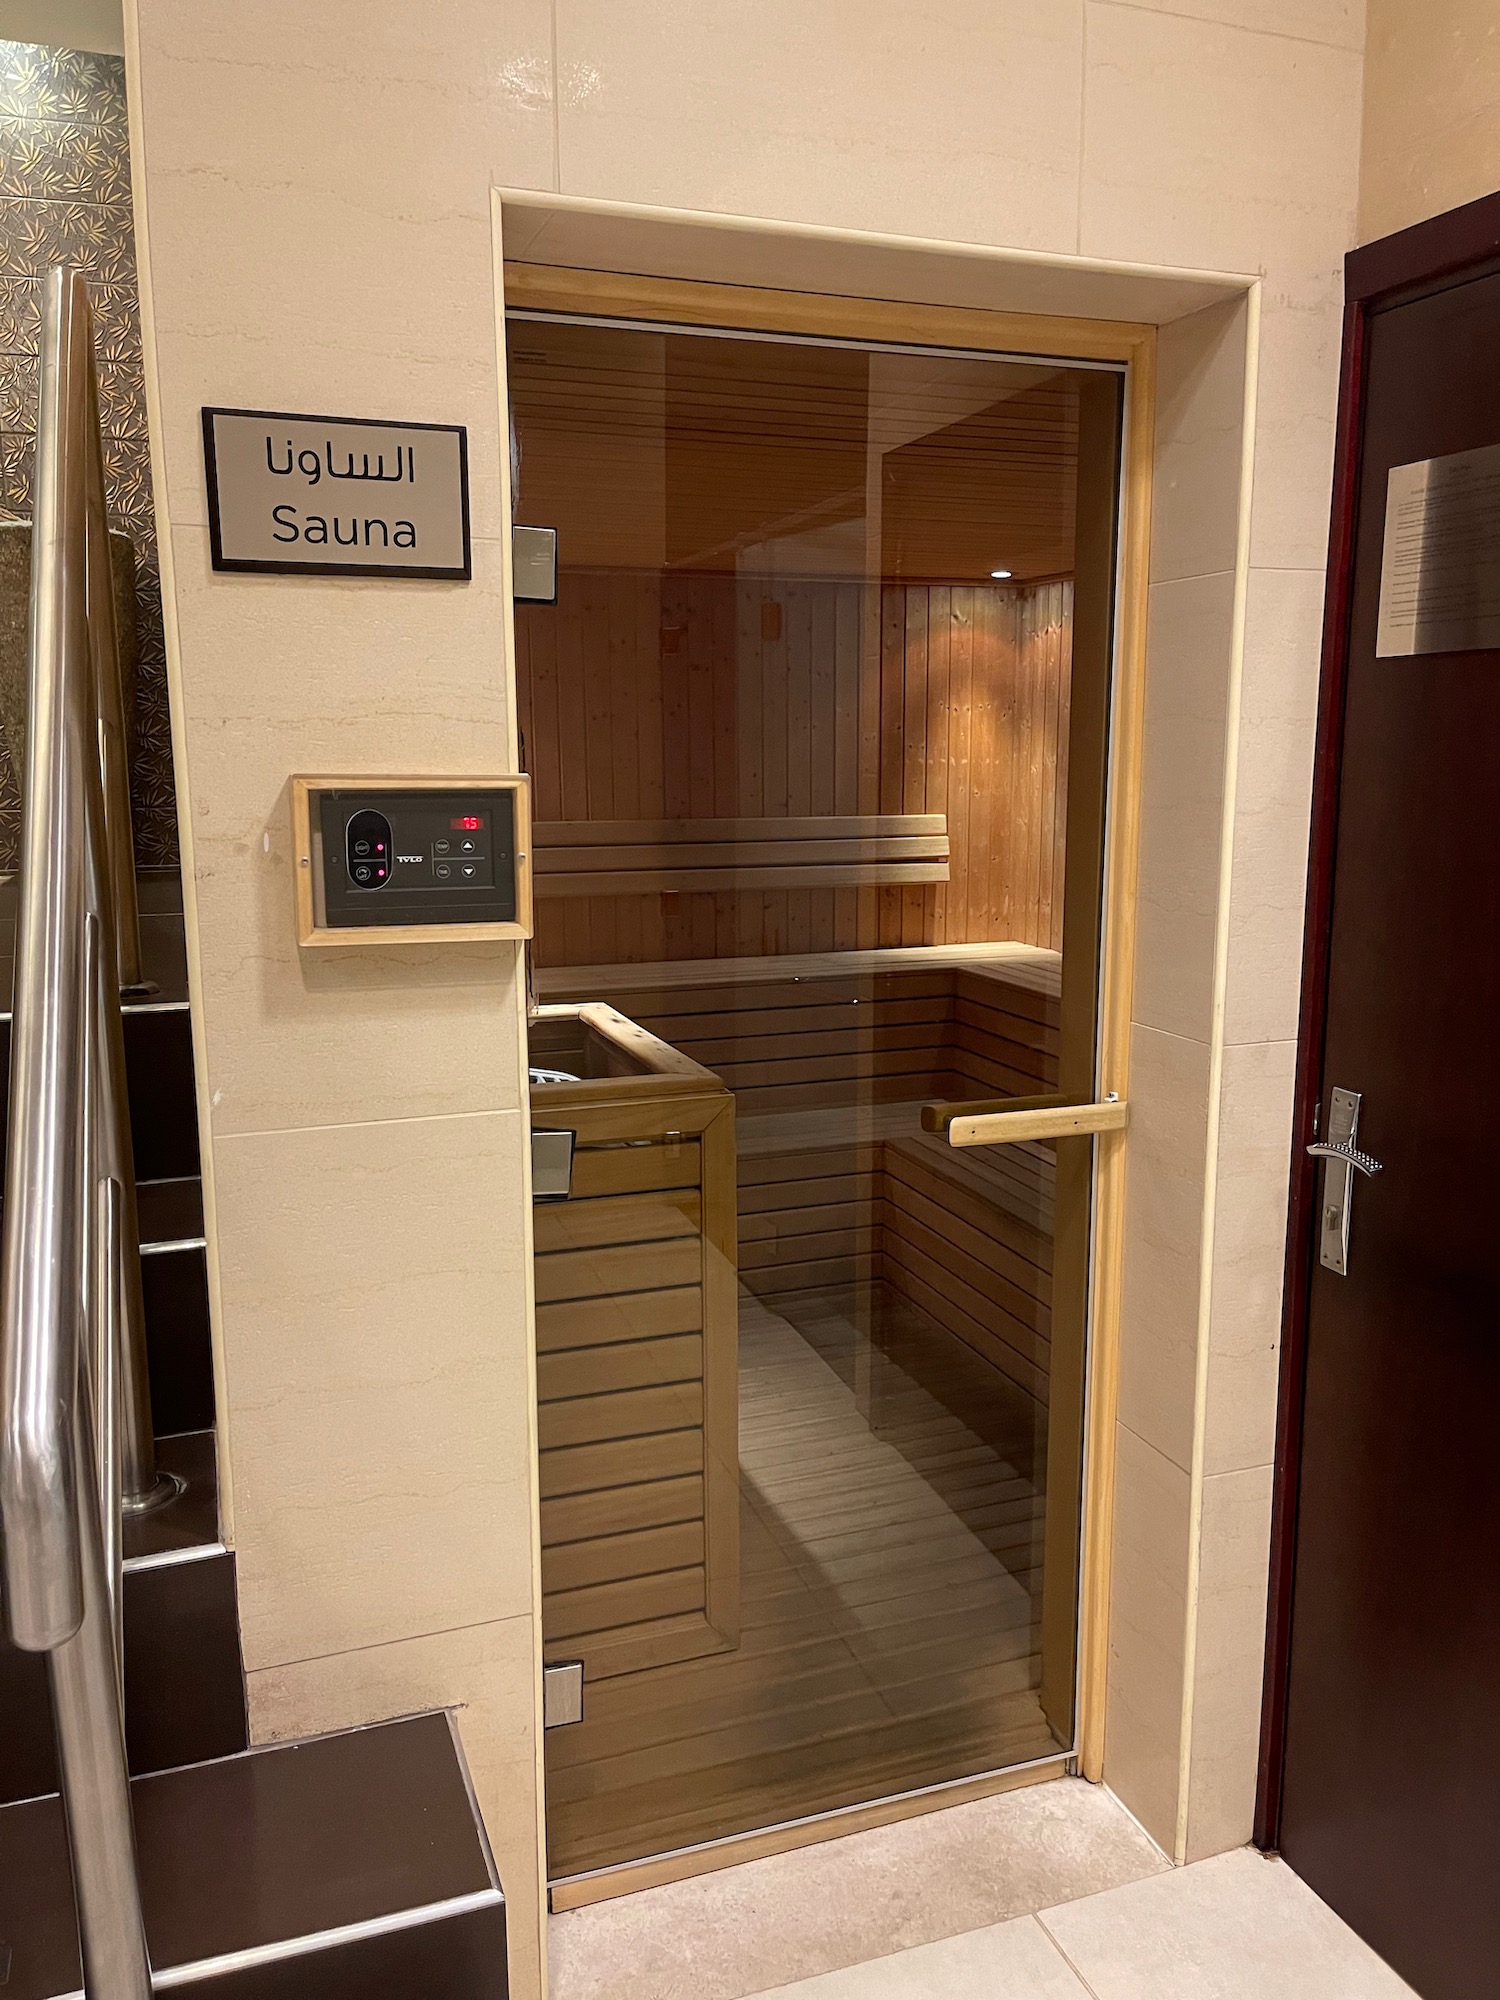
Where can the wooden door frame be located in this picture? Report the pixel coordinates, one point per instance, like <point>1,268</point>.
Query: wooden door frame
<point>567,289</point>
<point>1465,242</point>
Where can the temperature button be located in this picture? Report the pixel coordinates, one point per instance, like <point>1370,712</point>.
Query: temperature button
<point>367,849</point>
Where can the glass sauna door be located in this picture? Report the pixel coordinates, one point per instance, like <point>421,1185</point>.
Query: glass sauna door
<point>816,726</point>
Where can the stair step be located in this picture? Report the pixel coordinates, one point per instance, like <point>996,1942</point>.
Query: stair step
<point>184,1680</point>
<point>191,1522</point>
<point>171,1212</point>
<point>349,1867</point>
<point>179,1346</point>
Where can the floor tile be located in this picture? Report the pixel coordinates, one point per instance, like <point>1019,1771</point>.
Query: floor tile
<point>1014,1961</point>
<point>791,1917</point>
<point>1238,1927</point>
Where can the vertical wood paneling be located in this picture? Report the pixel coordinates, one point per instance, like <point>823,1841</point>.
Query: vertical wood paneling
<point>704,697</point>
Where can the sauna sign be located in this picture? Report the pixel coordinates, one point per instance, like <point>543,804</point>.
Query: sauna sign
<point>313,496</point>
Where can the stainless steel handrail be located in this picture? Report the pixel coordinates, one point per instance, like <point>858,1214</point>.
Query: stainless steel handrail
<point>75,1431</point>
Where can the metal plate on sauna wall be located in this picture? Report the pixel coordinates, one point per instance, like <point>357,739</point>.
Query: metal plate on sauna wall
<point>1440,566</point>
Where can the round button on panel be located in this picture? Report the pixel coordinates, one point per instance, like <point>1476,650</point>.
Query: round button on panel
<point>367,832</point>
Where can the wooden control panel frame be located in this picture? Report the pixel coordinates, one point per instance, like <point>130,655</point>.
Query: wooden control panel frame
<point>313,933</point>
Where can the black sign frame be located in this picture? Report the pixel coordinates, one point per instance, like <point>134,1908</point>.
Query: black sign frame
<point>269,566</point>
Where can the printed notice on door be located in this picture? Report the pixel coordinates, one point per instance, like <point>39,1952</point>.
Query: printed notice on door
<point>1440,569</point>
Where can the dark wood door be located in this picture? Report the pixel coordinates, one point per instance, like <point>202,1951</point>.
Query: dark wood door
<point>1391,1799</point>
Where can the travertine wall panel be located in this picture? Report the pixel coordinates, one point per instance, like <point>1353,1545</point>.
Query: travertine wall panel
<point>1432,111</point>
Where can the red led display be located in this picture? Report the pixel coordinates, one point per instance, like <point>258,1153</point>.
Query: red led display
<point>470,823</point>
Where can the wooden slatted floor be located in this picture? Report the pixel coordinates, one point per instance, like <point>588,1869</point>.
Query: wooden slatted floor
<point>890,1550</point>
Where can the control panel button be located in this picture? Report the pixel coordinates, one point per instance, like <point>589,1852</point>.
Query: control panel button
<point>443,870</point>
<point>440,847</point>
<point>468,870</point>
<point>367,849</point>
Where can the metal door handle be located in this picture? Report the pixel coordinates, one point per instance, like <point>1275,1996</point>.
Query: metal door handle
<point>1342,1160</point>
<point>1342,1150</point>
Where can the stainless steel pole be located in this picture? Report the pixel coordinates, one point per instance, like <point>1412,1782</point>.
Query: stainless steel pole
<point>108,697</point>
<point>90,1726</point>
<point>68,1124</point>
<point>142,1486</point>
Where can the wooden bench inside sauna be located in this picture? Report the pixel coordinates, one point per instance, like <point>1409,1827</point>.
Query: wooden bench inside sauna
<point>636,1315</point>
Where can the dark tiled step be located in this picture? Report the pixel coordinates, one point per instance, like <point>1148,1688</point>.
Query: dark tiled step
<point>171,1212</point>
<point>159,1073</point>
<point>295,1870</point>
<point>184,1684</point>
<point>179,1346</point>
<point>191,1521</point>
<point>163,951</point>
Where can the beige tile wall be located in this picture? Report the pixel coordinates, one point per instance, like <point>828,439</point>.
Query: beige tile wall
<point>315,235</point>
<point>1432,111</point>
<point>314,186</point>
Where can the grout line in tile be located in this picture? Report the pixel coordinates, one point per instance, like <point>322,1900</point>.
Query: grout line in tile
<point>363,1124</point>
<point>1234,27</point>
<point>1073,1966</point>
<point>1083,108</point>
<point>556,107</point>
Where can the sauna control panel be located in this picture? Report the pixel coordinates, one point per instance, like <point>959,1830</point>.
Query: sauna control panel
<point>408,861</point>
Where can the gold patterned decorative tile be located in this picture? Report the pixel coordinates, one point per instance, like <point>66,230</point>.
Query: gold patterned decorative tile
<point>17,450</point>
<point>127,478</point>
<point>64,198</point>
<point>122,397</point>
<point>19,378</point>
<point>40,234</point>
<point>75,85</point>
<point>20,316</point>
<point>55,161</point>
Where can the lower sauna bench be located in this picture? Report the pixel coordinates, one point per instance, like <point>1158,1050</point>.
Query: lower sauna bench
<point>637,1338</point>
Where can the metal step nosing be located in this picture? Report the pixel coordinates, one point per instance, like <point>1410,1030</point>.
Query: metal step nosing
<point>132,1007</point>
<point>163,1979</point>
<point>170,1558</point>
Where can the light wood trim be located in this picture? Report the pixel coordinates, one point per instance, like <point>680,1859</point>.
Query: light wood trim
<point>1010,1128</point>
<point>1122,856</point>
<point>576,1892</point>
<point>715,881</point>
<point>829,316</point>
<point>312,934</point>
<point>1032,966</point>
<point>742,856</point>
<point>550,833</point>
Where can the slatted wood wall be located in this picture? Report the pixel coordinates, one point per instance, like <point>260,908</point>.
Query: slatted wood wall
<point>966,1237</point>
<point>900,1037</point>
<point>696,696</point>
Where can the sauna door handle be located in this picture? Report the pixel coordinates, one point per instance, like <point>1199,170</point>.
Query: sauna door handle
<point>998,1122</point>
<point>1366,1162</point>
<point>1342,1158</point>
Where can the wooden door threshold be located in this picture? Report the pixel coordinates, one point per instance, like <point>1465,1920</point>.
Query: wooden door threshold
<point>598,1885</point>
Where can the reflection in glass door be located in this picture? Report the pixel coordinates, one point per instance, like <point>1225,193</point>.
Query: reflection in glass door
<point>817,728</point>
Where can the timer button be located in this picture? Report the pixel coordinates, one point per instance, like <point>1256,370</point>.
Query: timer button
<point>443,870</point>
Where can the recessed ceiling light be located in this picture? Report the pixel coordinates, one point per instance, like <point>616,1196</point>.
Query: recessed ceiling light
<point>1000,574</point>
